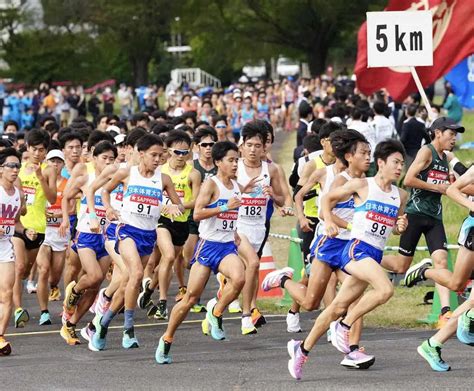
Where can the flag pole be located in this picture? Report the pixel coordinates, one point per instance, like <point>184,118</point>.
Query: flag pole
<point>422,92</point>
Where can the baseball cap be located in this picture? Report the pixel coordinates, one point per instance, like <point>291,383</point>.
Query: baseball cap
<point>119,139</point>
<point>55,153</point>
<point>112,128</point>
<point>10,138</point>
<point>444,123</point>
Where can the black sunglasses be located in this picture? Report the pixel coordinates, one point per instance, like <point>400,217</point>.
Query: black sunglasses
<point>205,145</point>
<point>12,165</point>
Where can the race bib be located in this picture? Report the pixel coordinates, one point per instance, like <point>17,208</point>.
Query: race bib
<point>54,221</point>
<point>436,177</point>
<point>144,201</point>
<point>252,207</point>
<point>30,193</point>
<point>8,226</point>
<point>227,221</point>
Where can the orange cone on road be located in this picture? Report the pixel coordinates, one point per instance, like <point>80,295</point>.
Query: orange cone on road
<point>267,265</point>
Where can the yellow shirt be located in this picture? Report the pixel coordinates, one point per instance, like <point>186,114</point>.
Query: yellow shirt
<point>182,187</point>
<point>35,199</point>
<point>311,205</point>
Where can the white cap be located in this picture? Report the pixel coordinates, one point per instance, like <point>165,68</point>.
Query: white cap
<point>119,139</point>
<point>247,94</point>
<point>55,153</point>
<point>112,128</point>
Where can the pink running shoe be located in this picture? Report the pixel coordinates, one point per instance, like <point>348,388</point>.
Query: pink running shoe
<point>65,316</point>
<point>102,304</point>
<point>358,359</point>
<point>340,337</point>
<point>273,279</point>
<point>297,360</point>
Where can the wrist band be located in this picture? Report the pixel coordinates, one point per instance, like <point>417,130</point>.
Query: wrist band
<point>349,226</point>
<point>92,215</point>
<point>224,208</point>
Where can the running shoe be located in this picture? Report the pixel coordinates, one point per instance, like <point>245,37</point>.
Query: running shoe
<point>465,330</point>
<point>5,347</point>
<point>234,307</point>
<point>152,311</point>
<point>65,316</point>
<point>443,319</point>
<point>21,317</point>
<point>31,287</point>
<point>87,332</point>
<point>433,356</point>
<point>99,339</point>
<point>273,279</point>
<point>414,274</point>
<point>162,311</point>
<point>293,322</point>
<point>257,318</point>
<point>45,319</point>
<point>70,298</point>
<point>69,335</point>
<point>198,308</point>
<point>340,337</point>
<point>144,298</point>
<point>162,355</point>
<point>222,281</point>
<point>205,326</point>
<point>358,359</point>
<point>54,294</point>
<point>248,326</point>
<point>102,304</point>
<point>181,293</point>
<point>129,341</point>
<point>297,359</point>
<point>215,324</point>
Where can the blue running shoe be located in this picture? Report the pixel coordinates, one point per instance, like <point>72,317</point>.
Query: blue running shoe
<point>98,341</point>
<point>21,317</point>
<point>433,356</point>
<point>128,340</point>
<point>465,330</point>
<point>45,319</point>
<point>215,323</point>
<point>162,354</point>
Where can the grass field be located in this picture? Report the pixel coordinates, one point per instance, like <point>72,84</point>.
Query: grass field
<point>403,310</point>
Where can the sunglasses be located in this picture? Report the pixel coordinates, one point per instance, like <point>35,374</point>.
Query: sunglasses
<point>205,145</point>
<point>12,165</point>
<point>180,152</point>
<point>221,126</point>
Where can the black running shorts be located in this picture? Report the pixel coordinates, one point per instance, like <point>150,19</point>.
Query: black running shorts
<point>178,230</point>
<point>431,228</point>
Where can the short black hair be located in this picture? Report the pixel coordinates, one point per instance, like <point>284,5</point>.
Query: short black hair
<point>254,129</point>
<point>317,124</point>
<point>97,136</point>
<point>160,128</point>
<point>356,113</point>
<point>205,132</point>
<point>135,135</point>
<point>220,149</point>
<point>411,110</point>
<point>69,135</point>
<point>105,146</point>
<point>11,122</point>
<point>269,129</point>
<point>149,140</point>
<point>177,136</point>
<point>304,110</point>
<point>328,128</point>
<point>345,141</point>
<point>38,137</point>
<point>5,153</point>
<point>45,119</point>
<point>312,143</point>
<point>159,114</point>
<point>379,107</point>
<point>54,144</point>
<point>386,148</point>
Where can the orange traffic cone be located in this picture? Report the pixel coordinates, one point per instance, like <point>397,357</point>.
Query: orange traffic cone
<point>267,265</point>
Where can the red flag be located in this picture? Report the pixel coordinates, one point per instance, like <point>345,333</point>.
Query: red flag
<point>453,40</point>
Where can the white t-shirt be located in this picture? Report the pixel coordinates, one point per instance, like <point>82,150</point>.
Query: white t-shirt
<point>367,130</point>
<point>383,128</point>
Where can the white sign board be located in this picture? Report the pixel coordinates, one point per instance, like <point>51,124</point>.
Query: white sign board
<point>399,38</point>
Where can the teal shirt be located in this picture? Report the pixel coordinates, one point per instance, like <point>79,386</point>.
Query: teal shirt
<point>454,108</point>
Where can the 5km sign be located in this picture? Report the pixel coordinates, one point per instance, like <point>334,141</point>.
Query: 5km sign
<point>402,38</point>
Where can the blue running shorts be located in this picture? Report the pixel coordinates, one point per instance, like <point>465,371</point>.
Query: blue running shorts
<point>211,254</point>
<point>111,232</point>
<point>95,242</point>
<point>144,240</point>
<point>328,250</point>
<point>356,250</point>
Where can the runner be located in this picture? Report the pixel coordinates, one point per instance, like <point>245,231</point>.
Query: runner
<point>39,186</point>
<point>52,253</point>
<point>216,251</point>
<point>378,210</point>
<point>252,215</point>
<point>136,234</point>
<point>352,153</point>
<point>10,209</point>
<point>428,176</point>
<point>462,320</point>
<point>89,244</point>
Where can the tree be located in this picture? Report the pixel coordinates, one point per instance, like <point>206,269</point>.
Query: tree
<point>303,28</point>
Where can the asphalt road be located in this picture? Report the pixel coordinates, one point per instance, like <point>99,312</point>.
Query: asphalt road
<point>42,361</point>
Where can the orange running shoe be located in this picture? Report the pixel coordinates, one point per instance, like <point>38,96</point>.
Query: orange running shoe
<point>443,319</point>
<point>5,347</point>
